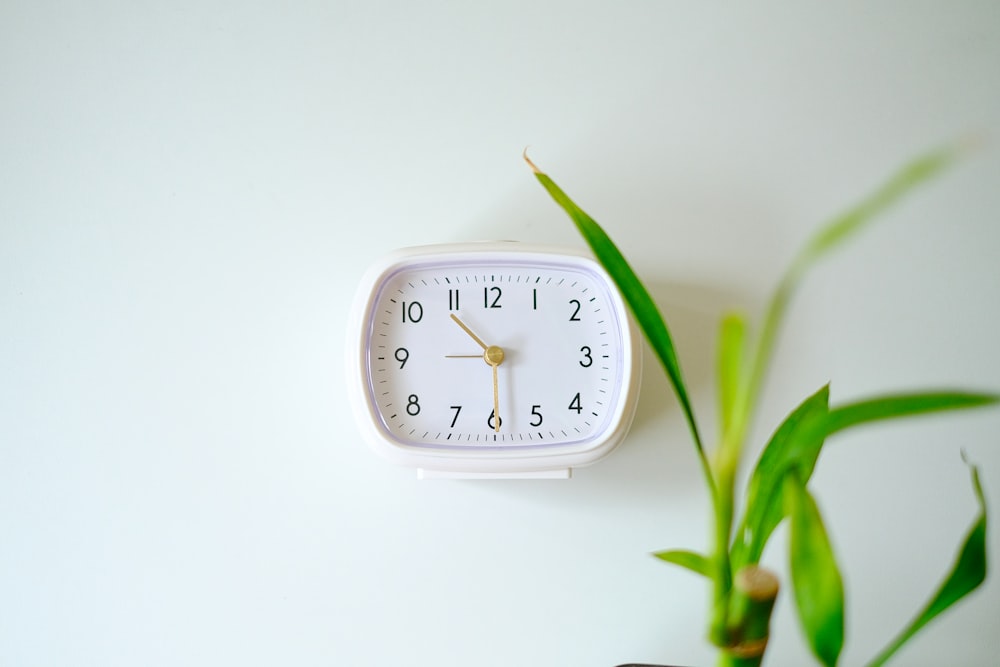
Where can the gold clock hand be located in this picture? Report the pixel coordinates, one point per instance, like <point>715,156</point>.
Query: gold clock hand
<point>469,331</point>
<point>494,357</point>
<point>496,400</point>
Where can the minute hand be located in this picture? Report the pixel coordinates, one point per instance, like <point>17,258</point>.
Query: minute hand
<point>493,356</point>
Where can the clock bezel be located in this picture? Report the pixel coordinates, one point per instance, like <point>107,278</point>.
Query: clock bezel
<point>512,461</point>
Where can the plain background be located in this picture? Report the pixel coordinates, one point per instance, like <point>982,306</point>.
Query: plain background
<point>189,192</point>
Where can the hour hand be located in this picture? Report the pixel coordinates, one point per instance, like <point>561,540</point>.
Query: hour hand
<point>469,331</point>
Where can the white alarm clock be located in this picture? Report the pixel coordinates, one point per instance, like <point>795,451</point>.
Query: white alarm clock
<point>495,359</point>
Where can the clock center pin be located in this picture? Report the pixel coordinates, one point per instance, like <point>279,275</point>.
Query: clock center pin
<point>493,355</point>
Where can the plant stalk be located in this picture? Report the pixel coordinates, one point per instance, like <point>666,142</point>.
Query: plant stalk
<point>726,465</point>
<point>754,592</point>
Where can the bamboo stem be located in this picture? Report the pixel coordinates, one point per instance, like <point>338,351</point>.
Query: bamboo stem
<point>755,590</point>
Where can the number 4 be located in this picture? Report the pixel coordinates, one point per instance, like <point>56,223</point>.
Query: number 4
<point>575,404</point>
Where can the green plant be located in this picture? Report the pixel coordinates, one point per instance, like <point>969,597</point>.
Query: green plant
<point>743,593</point>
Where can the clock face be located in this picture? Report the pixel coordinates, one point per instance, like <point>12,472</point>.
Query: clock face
<point>496,351</point>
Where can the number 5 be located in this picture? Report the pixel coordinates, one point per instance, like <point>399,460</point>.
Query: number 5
<point>536,413</point>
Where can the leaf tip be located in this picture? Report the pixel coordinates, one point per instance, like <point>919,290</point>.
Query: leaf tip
<point>973,142</point>
<point>531,164</point>
<point>977,485</point>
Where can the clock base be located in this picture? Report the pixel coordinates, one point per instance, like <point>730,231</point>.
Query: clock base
<point>564,473</point>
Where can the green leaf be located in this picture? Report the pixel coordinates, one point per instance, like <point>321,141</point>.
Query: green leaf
<point>690,560</point>
<point>655,329</point>
<point>850,222</point>
<point>795,445</point>
<point>634,292</point>
<point>732,332</point>
<point>799,440</point>
<point>816,580</point>
<point>903,405</point>
<point>968,572</point>
<point>829,237</point>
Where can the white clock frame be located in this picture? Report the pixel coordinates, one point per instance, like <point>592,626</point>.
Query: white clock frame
<point>471,462</point>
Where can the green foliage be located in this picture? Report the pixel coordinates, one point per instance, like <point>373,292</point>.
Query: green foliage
<point>732,336</point>
<point>778,484</point>
<point>968,572</point>
<point>647,314</point>
<point>793,448</point>
<point>830,237</point>
<point>816,580</point>
<point>695,562</point>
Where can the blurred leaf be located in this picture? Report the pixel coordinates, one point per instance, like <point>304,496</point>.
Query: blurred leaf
<point>634,293</point>
<point>968,572</point>
<point>690,560</point>
<point>902,182</point>
<point>730,363</point>
<point>829,237</point>
<point>819,590</point>
<point>795,445</point>
<point>902,405</point>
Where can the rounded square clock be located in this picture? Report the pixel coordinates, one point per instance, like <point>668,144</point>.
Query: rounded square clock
<point>495,359</point>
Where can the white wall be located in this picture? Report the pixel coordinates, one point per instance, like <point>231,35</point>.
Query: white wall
<point>190,191</point>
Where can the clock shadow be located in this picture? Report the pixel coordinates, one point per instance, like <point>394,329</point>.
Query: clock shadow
<point>692,313</point>
<point>659,451</point>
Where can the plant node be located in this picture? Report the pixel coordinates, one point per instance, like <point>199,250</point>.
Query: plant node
<point>755,590</point>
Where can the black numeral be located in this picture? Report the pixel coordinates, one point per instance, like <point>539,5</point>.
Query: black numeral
<point>402,355</point>
<point>414,311</point>
<point>575,404</point>
<point>586,357</point>
<point>534,299</point>
<point>457,409</point>
<point>535,413</point>
<point>490,422</point>
<point>573,317</point>
<point>496,297</point>
<point>413,405</point>
<point>453,299</point>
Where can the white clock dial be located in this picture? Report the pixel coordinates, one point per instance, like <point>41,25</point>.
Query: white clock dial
<point>497,355</point>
